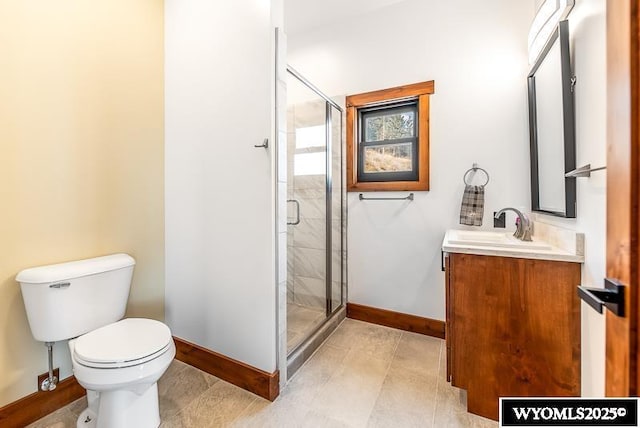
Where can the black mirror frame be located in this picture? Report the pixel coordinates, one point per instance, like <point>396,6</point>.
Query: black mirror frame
<point>568,113</point>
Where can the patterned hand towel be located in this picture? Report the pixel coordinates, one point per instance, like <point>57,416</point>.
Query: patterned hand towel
<point>472,208</point>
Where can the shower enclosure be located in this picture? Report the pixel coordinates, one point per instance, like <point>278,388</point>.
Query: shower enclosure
<point>316,217</point>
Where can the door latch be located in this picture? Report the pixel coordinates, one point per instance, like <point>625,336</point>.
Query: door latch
<point>264,145</point>
<point>610,297</point>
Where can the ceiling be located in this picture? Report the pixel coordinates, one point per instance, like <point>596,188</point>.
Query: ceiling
<point>304,15</point>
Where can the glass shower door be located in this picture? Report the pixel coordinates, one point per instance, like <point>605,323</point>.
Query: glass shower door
<point>307,211</point>
<point>316,238</point>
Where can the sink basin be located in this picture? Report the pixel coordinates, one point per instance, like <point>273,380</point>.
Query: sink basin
<point>552,243</point>
<point>494,239</point>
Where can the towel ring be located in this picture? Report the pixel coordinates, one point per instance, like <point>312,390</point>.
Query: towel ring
<point>474,168</point>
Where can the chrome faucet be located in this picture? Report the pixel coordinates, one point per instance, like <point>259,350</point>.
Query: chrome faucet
<point>523,230</point>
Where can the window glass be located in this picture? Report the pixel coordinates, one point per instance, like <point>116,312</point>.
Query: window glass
<point>395,125</point>
<point>310,136</point>
<point>388,158</point>
<point>310,163</point>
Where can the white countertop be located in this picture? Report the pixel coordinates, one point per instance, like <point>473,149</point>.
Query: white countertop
<point>489,243</point>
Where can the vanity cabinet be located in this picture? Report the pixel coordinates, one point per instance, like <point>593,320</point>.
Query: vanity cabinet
<point>512,328</point>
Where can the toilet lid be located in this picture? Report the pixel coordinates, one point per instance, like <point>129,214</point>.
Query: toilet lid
<point>130,340</point>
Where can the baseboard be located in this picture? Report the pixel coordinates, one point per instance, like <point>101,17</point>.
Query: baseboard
<point>261,383</point>
<point>29,409</point>
<point>407,322</point>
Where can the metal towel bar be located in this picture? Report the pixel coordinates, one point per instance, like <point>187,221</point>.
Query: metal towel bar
<point>406,198</point>
<point>583,171</point>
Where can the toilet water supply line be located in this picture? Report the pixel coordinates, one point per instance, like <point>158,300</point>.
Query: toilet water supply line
<point>49,384</point>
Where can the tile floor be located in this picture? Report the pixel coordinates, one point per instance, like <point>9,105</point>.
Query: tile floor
<point>364,375</point>
<point>300,321</point>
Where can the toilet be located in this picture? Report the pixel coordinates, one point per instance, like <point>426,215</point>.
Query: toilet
<point>118,361</point>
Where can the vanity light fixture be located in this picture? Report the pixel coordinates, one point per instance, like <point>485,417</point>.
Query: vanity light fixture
<point>549,14</point>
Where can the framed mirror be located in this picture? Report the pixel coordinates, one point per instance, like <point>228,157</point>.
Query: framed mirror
<point>552,127</point>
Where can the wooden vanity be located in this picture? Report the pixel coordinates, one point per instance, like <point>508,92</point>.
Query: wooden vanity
<point>512,327</point>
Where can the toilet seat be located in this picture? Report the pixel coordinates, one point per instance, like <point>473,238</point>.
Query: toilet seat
<point>125,343</point>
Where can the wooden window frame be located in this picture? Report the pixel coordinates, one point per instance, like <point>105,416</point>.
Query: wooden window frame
<point>419,91</point>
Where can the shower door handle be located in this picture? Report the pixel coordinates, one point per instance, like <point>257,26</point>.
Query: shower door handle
<point>294,223</point>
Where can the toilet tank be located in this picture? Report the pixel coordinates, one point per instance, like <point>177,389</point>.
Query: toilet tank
<point>67,300</point>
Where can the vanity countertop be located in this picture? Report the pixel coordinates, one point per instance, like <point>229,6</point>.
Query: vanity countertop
<point>549,244</point>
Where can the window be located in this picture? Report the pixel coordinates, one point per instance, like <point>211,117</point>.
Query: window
<point>310,155</point>
<point>388,143</point>
<point>388,139</point>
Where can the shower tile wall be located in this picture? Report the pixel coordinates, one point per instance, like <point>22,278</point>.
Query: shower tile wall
<point>339,205</point>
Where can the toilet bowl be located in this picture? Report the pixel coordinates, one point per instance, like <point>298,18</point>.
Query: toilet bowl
<point>118,361</point>
<point>119,365</point>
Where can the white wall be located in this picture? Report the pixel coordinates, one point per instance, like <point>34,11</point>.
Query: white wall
<point>219,189</point>
<point>476,52</point>
<point>81,163</point>
<point>587,32</point>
